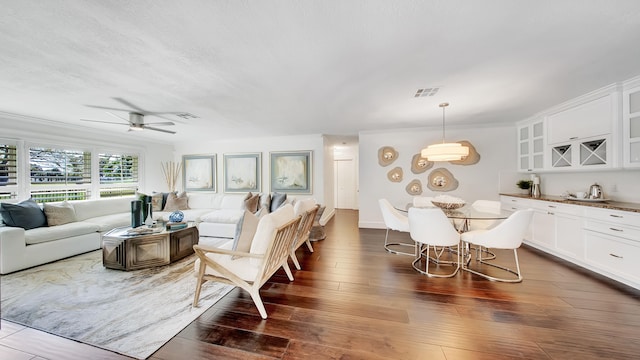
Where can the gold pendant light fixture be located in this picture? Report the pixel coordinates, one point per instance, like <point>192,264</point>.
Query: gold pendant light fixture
<point>445,151</point>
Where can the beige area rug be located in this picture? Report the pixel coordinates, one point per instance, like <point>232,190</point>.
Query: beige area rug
<point>133,313</point>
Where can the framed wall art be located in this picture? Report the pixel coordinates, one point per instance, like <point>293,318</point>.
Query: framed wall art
<point>291,172</point>
<point>199,172</point>
<point>242,172</point>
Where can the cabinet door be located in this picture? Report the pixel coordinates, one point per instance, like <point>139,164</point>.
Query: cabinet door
<point>543,226</point>
<point>569,239</point>
<point>531,146</point>
<point>631,128</point>
<point>593,118</point>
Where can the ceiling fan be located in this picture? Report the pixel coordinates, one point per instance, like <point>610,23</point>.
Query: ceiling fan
<point>136,122</point>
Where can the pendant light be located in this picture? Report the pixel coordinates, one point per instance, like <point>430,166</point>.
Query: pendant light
<point>445,151</point>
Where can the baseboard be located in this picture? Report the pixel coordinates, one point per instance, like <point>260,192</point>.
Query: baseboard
<point>326,216</point>
<point>371,224</point>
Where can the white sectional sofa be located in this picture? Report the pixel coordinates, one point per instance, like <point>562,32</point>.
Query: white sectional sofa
<point>216,216</point>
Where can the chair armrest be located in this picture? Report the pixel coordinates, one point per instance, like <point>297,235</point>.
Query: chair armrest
<point>202,250</point>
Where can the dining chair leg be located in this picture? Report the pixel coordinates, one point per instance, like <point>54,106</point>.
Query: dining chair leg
<point>419,255</point>
<point>493,278</point>
<point>387,246</point>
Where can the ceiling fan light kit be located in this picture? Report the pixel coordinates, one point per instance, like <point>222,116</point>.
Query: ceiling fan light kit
<point>445,151</point>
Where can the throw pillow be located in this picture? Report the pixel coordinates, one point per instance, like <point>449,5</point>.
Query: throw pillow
<point>265,202</point>
<point>176,202</point>
<point>245,230</point>
<point>59,214</point>
<point>251,202</point>
<point>156,201</point>
<point>26,214</point>
<point>277,199</point>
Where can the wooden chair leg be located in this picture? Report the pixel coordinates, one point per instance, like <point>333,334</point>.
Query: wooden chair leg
<point>295,260</point>
<point>287,270</point>
<point>199,284</point>
<point>255,295</point>
<point>309,245</point>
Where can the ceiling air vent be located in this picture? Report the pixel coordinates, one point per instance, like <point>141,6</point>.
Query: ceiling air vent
<point>186,116</point>
<point>426,92</point>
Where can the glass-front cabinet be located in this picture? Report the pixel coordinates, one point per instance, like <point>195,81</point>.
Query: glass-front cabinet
<point>631,127</point>
<point>531,146</point>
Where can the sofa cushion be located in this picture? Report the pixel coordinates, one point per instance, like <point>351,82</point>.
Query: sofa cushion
<point>86,209</point>
<point>108,222</point>
<point>277,199</point>
<point>26,214</point>
<point>225,216</point>
<point>59,214</point>
<point>46,234</point>
<point>176,202</point>
<point>201,201</point>
<point>232,202</point>
<point>267,229</point>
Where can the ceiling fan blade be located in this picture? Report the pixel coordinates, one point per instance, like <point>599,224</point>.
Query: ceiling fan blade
<point>125,102</point>
<point>107,108</point>
<point>156,129</point>
<point>104,122</point>
<point>166,123</point>
<point>117,117</point>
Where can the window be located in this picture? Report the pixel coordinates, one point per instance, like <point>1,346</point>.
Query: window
<point>118,174</point>
<point>59,174</point>
<point>8,171</point>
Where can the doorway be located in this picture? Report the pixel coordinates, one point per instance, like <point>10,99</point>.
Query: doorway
<point>346,184</point>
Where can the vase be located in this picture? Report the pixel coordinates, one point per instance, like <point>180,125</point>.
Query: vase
<point>136,213</point>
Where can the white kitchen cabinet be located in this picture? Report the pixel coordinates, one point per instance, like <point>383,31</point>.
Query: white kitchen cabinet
<point>591,119</point>
<point>599,239</point>
<point>631,127</point>
<point>531,146</point>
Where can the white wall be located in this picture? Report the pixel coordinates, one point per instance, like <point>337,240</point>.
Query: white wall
<point>496,146</point>
<point>265,145</point>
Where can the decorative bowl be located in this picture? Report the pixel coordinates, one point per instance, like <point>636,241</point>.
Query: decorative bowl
<point>448,206</point>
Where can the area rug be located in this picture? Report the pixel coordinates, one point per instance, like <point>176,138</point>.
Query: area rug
<point>133,313</point>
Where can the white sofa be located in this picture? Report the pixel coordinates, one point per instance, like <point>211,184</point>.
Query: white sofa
<point>21,249</point>
<point>216,216</point>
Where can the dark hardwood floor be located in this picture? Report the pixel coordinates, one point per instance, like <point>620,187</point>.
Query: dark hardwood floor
<point>353,300</point>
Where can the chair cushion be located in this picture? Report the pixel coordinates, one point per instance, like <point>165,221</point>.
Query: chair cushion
<point>224,216</point>
<point>240,267</point>
<point>304,205</point>
<point>26,214</point>
<point>266,230</point>
<point>59,214</point>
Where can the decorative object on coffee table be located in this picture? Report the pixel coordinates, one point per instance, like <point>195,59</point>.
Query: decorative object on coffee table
<point>136,213</point>
<point>176,216</point>
<point>317,230</point>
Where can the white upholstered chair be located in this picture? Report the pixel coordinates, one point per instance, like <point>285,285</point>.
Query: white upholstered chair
<point>270,249</point>
<point>307,210</point>
<point>393,220</point>
<point>506,235</point>
<point>422,201</point>
<point>430,227</point>
<point>487,206</point>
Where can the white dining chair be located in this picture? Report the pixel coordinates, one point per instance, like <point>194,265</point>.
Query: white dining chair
<point>506,235</point>
<point>422,201</point>
<point>487,206</point>
<point>393,220</point>
<point>430,227</point>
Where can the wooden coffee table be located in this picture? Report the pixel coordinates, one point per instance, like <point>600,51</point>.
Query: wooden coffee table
<point>122,251</point>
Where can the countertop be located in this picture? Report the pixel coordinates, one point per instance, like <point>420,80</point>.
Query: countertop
<point>613,205</point>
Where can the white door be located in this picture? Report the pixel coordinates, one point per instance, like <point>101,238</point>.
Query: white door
<point>345,184</point>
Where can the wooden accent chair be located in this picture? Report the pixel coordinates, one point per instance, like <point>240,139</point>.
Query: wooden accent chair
<point>307,209</point>
<point>270,249</point>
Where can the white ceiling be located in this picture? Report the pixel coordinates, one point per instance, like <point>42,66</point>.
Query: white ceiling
<point>335,67</point>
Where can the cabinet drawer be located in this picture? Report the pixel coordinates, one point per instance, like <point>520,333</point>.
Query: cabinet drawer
<point>627,232</point>
<point>514,203</point>
<point>626,218</point>
<point>613,254</point>
<point>554,207</point>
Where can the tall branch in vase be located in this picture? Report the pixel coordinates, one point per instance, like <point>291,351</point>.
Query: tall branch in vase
<point>171,171</point>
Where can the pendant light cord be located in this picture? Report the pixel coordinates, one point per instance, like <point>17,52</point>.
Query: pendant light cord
<point>443,105</point>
